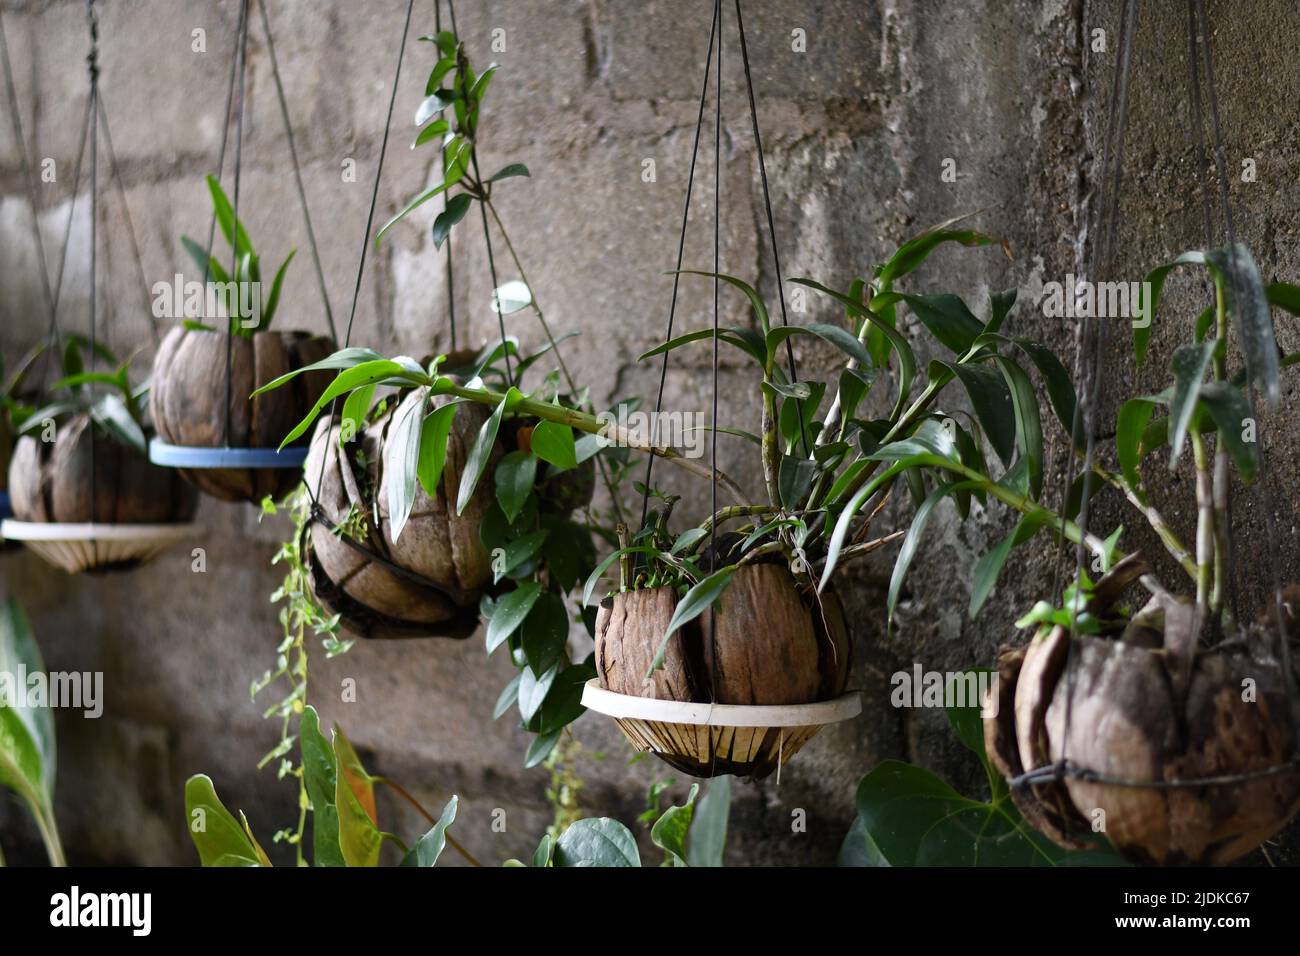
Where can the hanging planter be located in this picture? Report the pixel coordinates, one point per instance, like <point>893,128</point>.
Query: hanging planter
<point>767,647</point>
<point>222,440</point>
<point>89,500</point>
<point>427,579</point>
<point>1152,705</point>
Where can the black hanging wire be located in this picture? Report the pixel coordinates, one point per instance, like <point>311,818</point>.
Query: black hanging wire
<point>92,62</point>
<point>771,222</point>
<point>677,271</point>
<point>234,226</point>
<point>713,433</point>
<point>297,171</point>
<point>451,274</point>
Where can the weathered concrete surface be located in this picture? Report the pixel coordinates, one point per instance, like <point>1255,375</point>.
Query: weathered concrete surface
<point>856,130</point>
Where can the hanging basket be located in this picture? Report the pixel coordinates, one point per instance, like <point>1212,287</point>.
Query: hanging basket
<point>232,454</point>
<point>1184,755</point>
<point>137,511</point>
<point>775,672</point>
<point>427,583</point>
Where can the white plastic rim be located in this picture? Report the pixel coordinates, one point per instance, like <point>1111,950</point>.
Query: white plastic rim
<point>86,531</point>
<point>623,706</point>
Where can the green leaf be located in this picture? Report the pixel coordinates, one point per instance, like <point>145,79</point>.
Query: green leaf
<point>755,300</point>
<point>540,749</point>
<point>1190,365</point>
<point>518,551</point>
<point>911,541</point>
<point>669,831</point>
<point>915,250</point>
<point>354,796</point>
<point>511,297</point>
<point>1131,421</point>
<point>19,652</point>
<point>509,172</point>
<point>543,639</point>
<point>355,410</point>
<point>433,130</point>
<point>273,300</point>
<point>414,204</point>
<point>992,401</point>
<point>457,206</point>
<point>1029,427</point>
<point>509,694</point>
<point>990,565</point>
<point>217,835</point>
<point>515,474</point>
<point>553,443</point>
<point>746,340</point>
<point>1230,409</point>
<point>401,460</point>
<point>533,690</point>
<point>1249,301</point>
<point>230,227</point>
<point>836,336</point>
<point>510,612</point>
<point>320,776</point>
<point>434,433</point>
<point>795,479</point>
<point>430,846</point>
<point>597,842</point>
<point>1284,295</point>
<point>947,318</point>
<point>342,359</point>
<point>360,375</point>
<point>542,855</point>
<point>480,454</point>
<point>707,839</point>
<point>697,600</point>
<point>1000,305</point>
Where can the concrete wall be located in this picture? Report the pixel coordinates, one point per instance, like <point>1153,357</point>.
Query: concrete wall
<point>856,130</point>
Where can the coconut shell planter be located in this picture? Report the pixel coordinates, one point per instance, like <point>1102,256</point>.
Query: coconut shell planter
<point>1150,707</point>
<point>769,670</point>
<point>190,410</point>
<point>87,502</point>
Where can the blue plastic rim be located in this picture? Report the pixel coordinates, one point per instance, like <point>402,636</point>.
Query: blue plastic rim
<point>188,456</point>
<point>6,509</point>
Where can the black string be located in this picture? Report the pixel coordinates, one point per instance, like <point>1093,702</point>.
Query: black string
<point>234,227</point>
<point>370,221</point>
<point>451,276</point>
<point>492,271</point>
<point>92,62</point>
<point>115,173</point>
<point>225,133</point>
<point>771,222</point>
<point>713,434</point>
<point>297,172</point>
<point>677,273</point>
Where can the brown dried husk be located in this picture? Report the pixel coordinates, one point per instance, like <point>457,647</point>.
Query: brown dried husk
<point>773,645</point>
<point>448,567</point>
<point>53,481</point>
<point>189,407</point>
<point>1142,713</point>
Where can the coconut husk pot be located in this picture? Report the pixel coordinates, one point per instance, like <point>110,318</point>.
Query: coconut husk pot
<point>1149,706</point>
<point>189,407</point>
<point>768,644</point>
<point>428,582</point>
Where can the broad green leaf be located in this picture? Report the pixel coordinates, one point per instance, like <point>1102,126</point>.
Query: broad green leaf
<point>1230,409</point>
<point>230,227</point>
<point>1131,421</point>
<point>430,846</point>
<point>947,318</point>
<point>911,541</point>
<point>506,699</point>
<point>542,855</point>
<point>541,748</point>
<point>355,410</point>
<point>597,842</point>
<point>457,206</point>
<point>755,300</point>
<point>515,474</point>
<point>669,831</point>
<point>543,639</point>
<point>342,359</point>
<point>746,340</point>
<point>354,796</point>
<point>519,551</point>
<point>992,401</point>
<point>1284,295</point>
<point>320,776</point>
<point>510,612</point>
<point>707,839</point>
<point>1190,365</point>
<point>480,454</point>
<point>533,690</point>
<point>795,479</point>
<point>401,460</point>
<point>1000,305</point>
<point>508,172</point>
<point>915,250</point>
<point>28,745</point>
<point>411,206</point>
<point>836,336</point>
<point>359,375</point>
<point>696,601</point>
<point>217,835</point>
<point>434,432</point>
<point>1029,427</point>
<point>553,443</point>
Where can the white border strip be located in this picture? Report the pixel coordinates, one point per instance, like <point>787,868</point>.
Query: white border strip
<point>609,703</point>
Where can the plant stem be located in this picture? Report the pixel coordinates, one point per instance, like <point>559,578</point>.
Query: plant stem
<point>1204,519</point>
<point>771,454</point>
<point>1173,544</point>
<point>555,346</point>
<point>1221,484</point>
<point>592,425</point>
<point>451,840</point>
<point>49,831</point>
<point>866,547</point>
